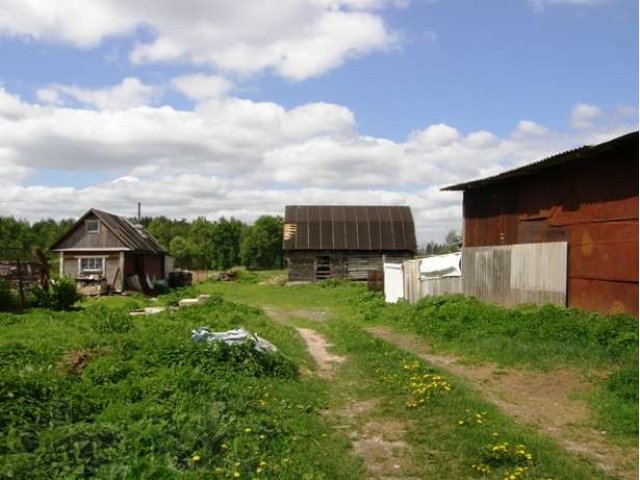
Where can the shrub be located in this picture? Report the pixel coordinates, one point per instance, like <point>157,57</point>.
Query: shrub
<point>6,297</point>
<point>61,296</point>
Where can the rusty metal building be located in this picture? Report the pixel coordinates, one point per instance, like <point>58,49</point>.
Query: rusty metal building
<point>587,197</point>
<point>345,241</point>
<point>109,249</point>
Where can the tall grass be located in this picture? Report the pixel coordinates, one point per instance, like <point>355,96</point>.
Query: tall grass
<point>99,394</point>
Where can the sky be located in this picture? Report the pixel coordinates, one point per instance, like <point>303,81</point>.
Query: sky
<point>215,108</point>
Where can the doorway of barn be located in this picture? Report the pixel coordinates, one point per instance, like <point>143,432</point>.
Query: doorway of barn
<point>323,267</point>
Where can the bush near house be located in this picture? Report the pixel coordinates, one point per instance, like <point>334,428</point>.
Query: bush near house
<point>62,295</point>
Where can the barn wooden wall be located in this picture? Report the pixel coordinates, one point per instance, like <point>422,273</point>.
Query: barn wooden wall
<point>347,265</point>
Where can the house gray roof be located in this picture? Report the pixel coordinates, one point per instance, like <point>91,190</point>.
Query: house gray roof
<point>629,140</point>
<point>364,228</point>
<point>133,237</point>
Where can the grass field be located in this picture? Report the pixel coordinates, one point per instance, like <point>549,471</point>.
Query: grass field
<point>97,393</point>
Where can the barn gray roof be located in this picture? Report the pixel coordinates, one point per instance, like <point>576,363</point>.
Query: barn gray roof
<point>364,228</point>
<point>133,238</point>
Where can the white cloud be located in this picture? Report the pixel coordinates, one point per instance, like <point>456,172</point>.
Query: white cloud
<point>128,94</point>
<point>201,87</point>
<point>583,116</point>
<point>232,156</point>
<point>296,38</point>
<point>435,136</point>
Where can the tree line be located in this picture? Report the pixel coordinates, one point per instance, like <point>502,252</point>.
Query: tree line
<point>219,245</point>
<point>200,244</point>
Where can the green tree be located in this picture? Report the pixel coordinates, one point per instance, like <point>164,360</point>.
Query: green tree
<point>226,243</point>
<point>261,246</point>
<point>16,238</point>
<point>453,240</point>
<point>201,239</point>
<point>180,251</point>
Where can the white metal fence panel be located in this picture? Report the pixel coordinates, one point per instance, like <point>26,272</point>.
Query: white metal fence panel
<point>393,282</point>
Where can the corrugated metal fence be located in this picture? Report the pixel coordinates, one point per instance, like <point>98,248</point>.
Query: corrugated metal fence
<point>509,275</point>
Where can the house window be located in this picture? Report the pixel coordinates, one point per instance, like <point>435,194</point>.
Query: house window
<point>92,226</point>
<point>91,265</point>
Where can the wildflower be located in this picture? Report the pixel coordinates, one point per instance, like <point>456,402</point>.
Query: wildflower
<point>195,458</point>
<point>247,430</point>
<point>236,474</point>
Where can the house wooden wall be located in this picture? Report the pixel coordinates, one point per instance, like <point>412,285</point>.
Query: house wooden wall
<point>70,266</point>
<point>79,238</point>
<point>591,204</point>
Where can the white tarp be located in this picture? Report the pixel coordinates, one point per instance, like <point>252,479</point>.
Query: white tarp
<point>232,337</point>
<point>440,266</point>
<point>393,282</point>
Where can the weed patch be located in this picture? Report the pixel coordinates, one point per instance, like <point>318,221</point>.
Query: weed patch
<point>99,394</point>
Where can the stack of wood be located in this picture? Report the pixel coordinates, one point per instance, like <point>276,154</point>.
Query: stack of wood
<point>228,276</point>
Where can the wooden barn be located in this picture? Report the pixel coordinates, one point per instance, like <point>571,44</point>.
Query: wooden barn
<point>347,242</point>
<point>588,198</point>
<point>102,250</point>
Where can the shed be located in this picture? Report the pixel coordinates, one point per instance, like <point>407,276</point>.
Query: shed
<point>587,197</point>
<point>348,242</point>
<point>108,249</point>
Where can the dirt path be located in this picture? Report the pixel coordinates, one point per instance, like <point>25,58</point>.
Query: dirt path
<point>379,442</point>
<point>318,348</point>
<point>544,400</point>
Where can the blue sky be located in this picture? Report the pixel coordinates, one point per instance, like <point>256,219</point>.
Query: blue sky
<point>212,109</point>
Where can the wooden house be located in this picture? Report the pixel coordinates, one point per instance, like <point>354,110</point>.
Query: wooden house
<point>588,198</point>
<point>347,242</point>
<point>105,250</point>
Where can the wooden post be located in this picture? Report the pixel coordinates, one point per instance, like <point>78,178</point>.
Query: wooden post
<point>20,284</point>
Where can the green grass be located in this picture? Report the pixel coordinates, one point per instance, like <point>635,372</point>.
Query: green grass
<point>543,338</point>
<point>149,403</point>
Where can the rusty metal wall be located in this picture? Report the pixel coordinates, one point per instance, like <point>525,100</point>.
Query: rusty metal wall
<point>591,204</point>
